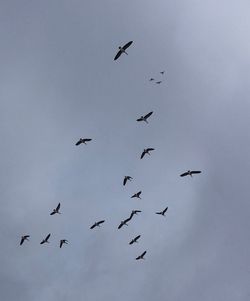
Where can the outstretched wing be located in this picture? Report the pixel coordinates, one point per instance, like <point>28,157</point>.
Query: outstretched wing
<point>101,222</point>
<point>22,240</point>
<point>195,171</point>
<point>142,255</point>
<point>121,224</point>
<point>79,142</point>
<point>117,55</point>
<point>143,154</point>
<point>87,139</point>
<point>165,210</point>
<point>52,213</point>
<point>137,237</point>
<point>47,237</point>
<point>184,174</point>
<point>149,114</point>
<point>61,243</point>
<point>58,207</point>
<point>139,119</point>
<point>127,45</point>
<point>158,212</point>
<point>93,226</point>
<point>150,149</point>
<point>125,181</point>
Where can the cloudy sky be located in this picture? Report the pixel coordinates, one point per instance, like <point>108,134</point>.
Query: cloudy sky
<point>59,82</point>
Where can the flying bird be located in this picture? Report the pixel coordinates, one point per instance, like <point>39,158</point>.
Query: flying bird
<point>134,239</point>
<point>23,238</point>
<point>56,210</point>
<point>126,178</point>
<point>46,240</point>
<point>97,224</point>
<point>151,79</point>
<point>136,195</point>
<point>122,50</point>
<point>141,256</point>
<point>159,82</point>
<point>145,117</point>
<point>190,173</point>
<point>63,241</point>
<point>124,223</point>
<point>134,212</point>
<point>162,72</point>
<point>146,151</point>
<point>162,212</point>
<point>83,140</point>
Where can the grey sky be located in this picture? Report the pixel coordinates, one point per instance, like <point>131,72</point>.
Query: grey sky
<point>59,83</point>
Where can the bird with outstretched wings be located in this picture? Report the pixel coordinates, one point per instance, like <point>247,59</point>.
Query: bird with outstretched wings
<point>141,256</point>
<point>122,50</point>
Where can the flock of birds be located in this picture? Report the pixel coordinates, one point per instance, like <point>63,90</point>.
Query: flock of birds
<point>147,151</point>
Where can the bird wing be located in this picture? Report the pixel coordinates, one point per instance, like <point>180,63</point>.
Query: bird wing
<point>58,207</point>
<point>150,149</point>
<point>147,115</point>
<point>42,242</point>
<point>22,240</point>
<point>93,226</point>
<point>47,237</point>
<point>139,193</point>
<point>143,154</point>
<point>143,253</point>
<point>127,220</point>
<point>87,139</point>
<point>184,174</point>
<point>61,243</point>
<point>165,210</point>
<point>137,237</point>
<point>101,222</point>
<point>125,181</point>
<point>127,45</point>
<point>158,212</point>
<point>195,171</point>
<point>139,119</point>
<point>133,196</point>
<point>79,142</point>
<point>52,213</point>
<point>131,242</point>
<point>121,224</point>
<point>117,55</point>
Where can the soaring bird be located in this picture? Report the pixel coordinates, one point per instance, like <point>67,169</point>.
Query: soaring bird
<point>46,240</point>
<point>162,212</point>
<point>145,117</point>
<point>134,239</point>
<point>126,178</point>
<point>97,224</point>
<point>63,241</point>
<point>136,195</point>
<point>122,50</point>
<point>141,256</point>
<point>146,151</point>
<point>151,79</point>
<point>162,72</point>
<point>124,223</point>
<point>23,238</point>
<point>190,173</point>
<point>134,212</point>
<point>56,210</point>
<point>83,140</point>
<point>159,82</point>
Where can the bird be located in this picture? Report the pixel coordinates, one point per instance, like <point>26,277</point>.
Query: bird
<point>46,240</point>
<point>122,223</point>
<point>151,79</point>
<point>23,238</point>
<point>97,224</point>
<point>63,241</point>
<point>56,210</point>
<point>126,178</point>
<point>162,72</point>
<point>136,195</point>
<point>159,82</point>
<point>134,212</point>
<point>162,212</point>
<point>134,239</point>
<point>190,173</point>
<point>146,151</point>
<point>145,117</point>
<point>122,50</point>
<point>141,256</point>
<point>83,140</point>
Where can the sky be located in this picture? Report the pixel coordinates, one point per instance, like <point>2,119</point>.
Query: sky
<point>59,82</point>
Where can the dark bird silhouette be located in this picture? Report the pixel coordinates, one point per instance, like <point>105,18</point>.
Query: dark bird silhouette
<point>162,212</point>
<point>162,72</point>
<point>151,79</point>
<point>122,50</point>
<point>136,195</point>
<point>134,239</point>
<point>56,210</point>
<point>46,240</point>
<point>145,117</point>
<point>141,256</point>
<point>134,212</point>
<point>190,173</point>
<point>159,82</point>
<point>146,151</point>
<point>63,241</point>
<point>97,224</point>
<point>126,178</point>
<point>124,223</point>
<point>83,140</point>
<point>23,238</point>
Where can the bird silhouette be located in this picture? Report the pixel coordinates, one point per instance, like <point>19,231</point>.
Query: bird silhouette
<point>126,178</point>
<point>122,50</point>
<point>134,240</point>
<point>56,210</point>
<point>162,212</point>
<point>83,140</point>
<point>190,173</point>
<point>136,195</point>
<point>46,240</point>
<point>141,256</point>
<point>145,117</point>
<point>146,151</point>
<point>63,241</point>
<point>23,238</point>
<point>97,224</point>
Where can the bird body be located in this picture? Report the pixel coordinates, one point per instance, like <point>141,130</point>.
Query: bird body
<point>46,240</point>
<point>190,173</point>
<point>145,117</point>
<point>136,195</point>
<point>159,82</point>
<point>141,256</point>
<point>83,140</point>
<point>122,50</point>
<point>126,178</point>
<point>162,212</point>
<point>97,224</point>
<point>56,210</point>
<point>146,151</point>
<point>23,238</point>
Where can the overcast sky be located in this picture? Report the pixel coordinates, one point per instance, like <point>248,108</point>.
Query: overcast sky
<point>59,82</point>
